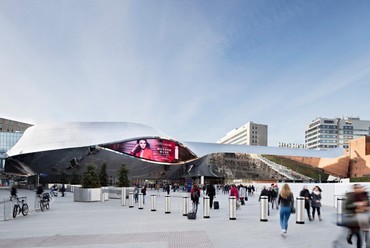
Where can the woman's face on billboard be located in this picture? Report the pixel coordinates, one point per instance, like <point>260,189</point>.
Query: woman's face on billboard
<point>142,144</point>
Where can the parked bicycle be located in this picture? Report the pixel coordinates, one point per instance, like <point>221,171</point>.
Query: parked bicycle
<point>44,200</point>
<point>20,207</point>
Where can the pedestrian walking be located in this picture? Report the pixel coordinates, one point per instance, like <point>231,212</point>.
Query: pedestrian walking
<point>316,202</point>
<point>266,192</point>
<point>286,202</point>
<point>194,196</point>
<point>305,193</point>
<point>357,220</point>
<point>13,192</point>
<point>136,194</point>
<point>211,192</point>
<point>143,191</point>
<point>62,190</point>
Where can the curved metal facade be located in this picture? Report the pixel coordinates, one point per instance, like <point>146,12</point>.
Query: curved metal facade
<point>55,147</point>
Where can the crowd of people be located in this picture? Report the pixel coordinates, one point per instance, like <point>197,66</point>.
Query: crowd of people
<point>357,205</point>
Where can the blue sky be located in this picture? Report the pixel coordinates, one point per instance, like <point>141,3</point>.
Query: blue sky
<point>194,69</point>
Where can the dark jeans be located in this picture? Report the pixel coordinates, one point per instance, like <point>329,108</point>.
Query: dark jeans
<point>357,233</point>
<point>211,201</point>
<point>308,213</point>
<point>313,212</point>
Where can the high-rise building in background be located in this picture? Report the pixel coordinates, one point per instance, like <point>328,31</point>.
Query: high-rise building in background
<point>334,132</point>
<point>248,134</point>
<point>10,132</point>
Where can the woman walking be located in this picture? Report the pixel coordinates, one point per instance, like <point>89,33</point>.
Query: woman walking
<point>316,202</point>
<point>286,202</point>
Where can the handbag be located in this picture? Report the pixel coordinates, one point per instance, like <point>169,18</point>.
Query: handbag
<point>292,209</point>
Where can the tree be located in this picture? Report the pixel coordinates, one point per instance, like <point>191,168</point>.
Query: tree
<point>90,178</point>
<point>103,177</point>
<point>123,176</point>
<point>75,178</point>
<point>63,178</point>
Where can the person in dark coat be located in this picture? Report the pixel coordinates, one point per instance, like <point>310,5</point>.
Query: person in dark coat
<point>356,205</point>
<point>211,192</point>
<point>143,191</point>
<point>194,196</point>
<point>286,202</point>
<point>13,193</point>
<point>316,202</point>
<point>39,190</point>
<point>305,193</point>
<point>266,192</point>
<point>62,190</point>
<point>168,188</point>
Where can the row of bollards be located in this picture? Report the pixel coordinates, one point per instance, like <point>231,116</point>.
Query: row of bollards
<point>232,206</point>
<point>185,203</point>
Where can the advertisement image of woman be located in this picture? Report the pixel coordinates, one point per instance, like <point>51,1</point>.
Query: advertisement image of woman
<point>142,150</point>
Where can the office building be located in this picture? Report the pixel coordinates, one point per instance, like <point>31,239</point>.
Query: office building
<point>10,132</point>
<point>324,133</point>
<point>249,134</point>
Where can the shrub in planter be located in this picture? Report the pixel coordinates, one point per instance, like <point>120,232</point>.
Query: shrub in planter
<point>123,176</point>
<point>90,190</point>
<point>90,178</point>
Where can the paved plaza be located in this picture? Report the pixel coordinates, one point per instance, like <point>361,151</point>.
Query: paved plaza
<point>109,224</point>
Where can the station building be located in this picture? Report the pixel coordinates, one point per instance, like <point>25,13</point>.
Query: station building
<point>56,148</point>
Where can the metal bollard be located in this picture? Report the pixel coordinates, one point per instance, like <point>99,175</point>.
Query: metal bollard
<point>153,202</point>
<point>340,210</point>
<point>185,205</point>
<point>102,195</point>
<point>264,208</point>
<point>206,207</point>
<point>299,210</point>
<point>131,199</point>
<point>141,201</point>
<point>123,196</point>
<point>167,207</point>
<point>232,208</point>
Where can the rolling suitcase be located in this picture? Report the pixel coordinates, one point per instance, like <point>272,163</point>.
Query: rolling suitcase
<point>192,215</point>
<point>216,205</point>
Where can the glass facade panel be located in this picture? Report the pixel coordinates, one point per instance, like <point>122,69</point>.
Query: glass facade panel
<point>8,139</point>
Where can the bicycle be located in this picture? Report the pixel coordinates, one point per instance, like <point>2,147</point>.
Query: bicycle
<point>44,201</point>
<point>20,207</point>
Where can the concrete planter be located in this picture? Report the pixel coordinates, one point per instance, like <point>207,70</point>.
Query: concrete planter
<point>87,194</point>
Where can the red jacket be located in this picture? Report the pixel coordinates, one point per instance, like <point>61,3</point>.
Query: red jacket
<point>234,192</point>
<point>146,153</point>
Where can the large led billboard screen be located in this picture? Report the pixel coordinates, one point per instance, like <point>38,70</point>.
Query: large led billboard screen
<point>154,149</point>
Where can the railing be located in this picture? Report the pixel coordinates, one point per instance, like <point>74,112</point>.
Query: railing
<point>293,175</point>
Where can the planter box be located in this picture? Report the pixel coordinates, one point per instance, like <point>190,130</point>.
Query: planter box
<point>115,192</point>
<point>87,194</point>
